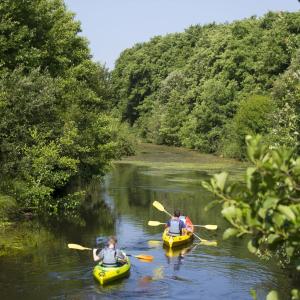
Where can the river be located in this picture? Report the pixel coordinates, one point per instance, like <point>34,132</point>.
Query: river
<point>47,269</point>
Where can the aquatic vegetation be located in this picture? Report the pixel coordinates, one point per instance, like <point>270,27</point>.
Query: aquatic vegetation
<point>21,238</point>
<point>164,160</point>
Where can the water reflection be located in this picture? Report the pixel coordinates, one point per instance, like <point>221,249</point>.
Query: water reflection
<point>176,255</point>
<point>122,206</point>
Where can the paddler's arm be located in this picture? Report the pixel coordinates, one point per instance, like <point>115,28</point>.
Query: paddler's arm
<point>167,224</point>
<point>182,227</point>
<point>121,256</point>
<point>97,254</point>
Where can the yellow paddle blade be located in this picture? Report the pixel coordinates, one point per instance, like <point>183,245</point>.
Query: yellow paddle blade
<point>209,243</point>
<point>211,227</point>
<point>158,205</point>
<point>155,223</point>
<point>145,260</point>
<point>78,247</point>
<point>144,257</point>
<point>154,244</point>
<point>205,242</point>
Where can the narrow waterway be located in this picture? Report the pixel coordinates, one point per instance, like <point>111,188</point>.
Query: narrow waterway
<point>49,270</point>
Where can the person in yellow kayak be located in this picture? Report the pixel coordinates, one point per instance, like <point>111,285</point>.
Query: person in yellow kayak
<point>176,226</point>
<point>110,256</point>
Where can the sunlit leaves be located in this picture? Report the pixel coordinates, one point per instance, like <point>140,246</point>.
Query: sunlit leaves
<point>208,87</point>
<point>251,247</point>
<point>267,204</point>
<point>287,211</point>
<point>220,180</point>
<point>249,176</point>
<point>273,295</point>
<point>295,294</point>
<point>273,238</point>
<point>231,213</point>
<point>230,232</point>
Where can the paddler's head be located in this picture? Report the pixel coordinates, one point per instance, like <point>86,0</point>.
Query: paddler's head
<point>177,213</point>
<point>112,241</point>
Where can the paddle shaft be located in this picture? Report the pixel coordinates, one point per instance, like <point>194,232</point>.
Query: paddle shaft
<point>201,240</point>
<point>79,247</point>
<point>209,227</point>
<point>168,213</point>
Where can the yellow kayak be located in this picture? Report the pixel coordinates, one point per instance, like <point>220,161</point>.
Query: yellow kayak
<point>174,241</point>
<point>106,275</point>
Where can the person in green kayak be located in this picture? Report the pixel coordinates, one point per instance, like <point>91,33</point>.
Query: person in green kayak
<point>175,225</point>
<point>110,256</point>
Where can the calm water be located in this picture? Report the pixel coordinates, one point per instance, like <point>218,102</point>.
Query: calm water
<point>49,270</point>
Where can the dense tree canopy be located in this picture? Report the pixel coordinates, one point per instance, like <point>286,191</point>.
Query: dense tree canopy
<point>186,88</point>
<point>55,102</point>
<point>40,34</point>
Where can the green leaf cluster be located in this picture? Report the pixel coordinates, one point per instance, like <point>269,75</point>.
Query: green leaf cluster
<point>266,205</point>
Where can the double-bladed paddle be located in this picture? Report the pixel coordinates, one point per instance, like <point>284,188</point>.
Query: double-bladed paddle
<point>209,227</point>
<point>142,257</point>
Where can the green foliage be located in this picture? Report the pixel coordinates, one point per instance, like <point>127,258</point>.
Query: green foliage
<point>25,101</point>
<point>7,208</point>
<point>55,108</point>
<point>273,295</point>
<point>175,108</point>
<point>253,116</point>
<point>295,294</point>
<point>45,35</point>
<point>286,93</point>
<point>44,167</point>
<point>266,206</point>
<point>45,142</point>
<point>140,70</point>
<point>214,107</point>
<point>192,88</point>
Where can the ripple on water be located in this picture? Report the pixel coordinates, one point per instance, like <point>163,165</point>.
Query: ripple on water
<point>145,290</point>
<point>207,273</point>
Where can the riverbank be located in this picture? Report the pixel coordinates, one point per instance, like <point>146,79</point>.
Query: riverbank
<point>8,207</point>
<point>161,158</point>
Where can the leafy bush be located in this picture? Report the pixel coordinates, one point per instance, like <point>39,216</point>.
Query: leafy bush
<point>253,116</point>
<point>286,94</point>
<point>266,206</point>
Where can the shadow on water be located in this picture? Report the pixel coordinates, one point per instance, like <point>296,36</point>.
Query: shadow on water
<point>45,268</point>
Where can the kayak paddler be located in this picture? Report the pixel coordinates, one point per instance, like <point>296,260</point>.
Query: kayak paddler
<point>176,225</point>
<point>110,256</point>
